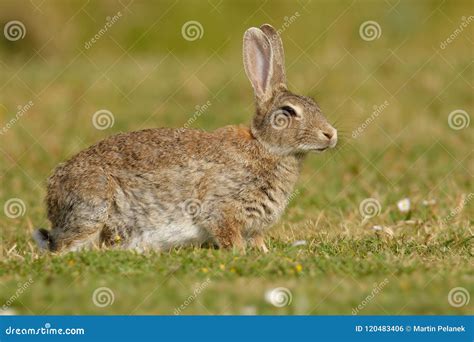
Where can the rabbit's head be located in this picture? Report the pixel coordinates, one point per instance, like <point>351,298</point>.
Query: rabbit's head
<point>284,122</point>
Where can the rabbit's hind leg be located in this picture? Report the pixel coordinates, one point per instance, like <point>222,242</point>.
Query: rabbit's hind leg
<point>81,227</point>
<point>76,239</point>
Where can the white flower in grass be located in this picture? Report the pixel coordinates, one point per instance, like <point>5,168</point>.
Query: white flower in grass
<point>299,243</point>
<point>429,202</point>
<point>404,205</point>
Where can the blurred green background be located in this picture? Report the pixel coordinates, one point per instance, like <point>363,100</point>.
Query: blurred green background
<point>147,74</point>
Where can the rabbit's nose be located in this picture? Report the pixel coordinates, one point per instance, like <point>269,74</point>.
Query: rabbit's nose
<point>328,135</point>
<point>329,132</point>
<point>331,135</point>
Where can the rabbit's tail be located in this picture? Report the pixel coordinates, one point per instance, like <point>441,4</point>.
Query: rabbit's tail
<point>43,238</point>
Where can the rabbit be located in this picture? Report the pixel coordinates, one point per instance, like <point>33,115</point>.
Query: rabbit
<point>157,189</point>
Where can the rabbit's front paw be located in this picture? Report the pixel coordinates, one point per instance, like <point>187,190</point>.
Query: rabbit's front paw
<point>258,242</point>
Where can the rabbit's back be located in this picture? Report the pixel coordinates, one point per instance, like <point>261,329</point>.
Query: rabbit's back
<point>161,186</point>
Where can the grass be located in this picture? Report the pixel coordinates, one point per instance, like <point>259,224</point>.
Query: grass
<point>408,266</point>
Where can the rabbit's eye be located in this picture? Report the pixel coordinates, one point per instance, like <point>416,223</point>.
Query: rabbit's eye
<point>289,110</point>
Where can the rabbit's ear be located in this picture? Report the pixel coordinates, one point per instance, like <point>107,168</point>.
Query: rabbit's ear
<point>258,63</point>
<point>279,74</point>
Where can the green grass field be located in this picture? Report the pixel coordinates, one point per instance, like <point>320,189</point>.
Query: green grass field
<point>146,74</point>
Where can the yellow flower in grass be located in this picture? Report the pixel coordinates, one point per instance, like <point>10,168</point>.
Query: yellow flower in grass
<point>204,270</point>
<point>298,268</point>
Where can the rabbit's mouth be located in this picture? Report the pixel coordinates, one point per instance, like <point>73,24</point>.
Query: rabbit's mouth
<point>319,150</point>
<point>316,149</point>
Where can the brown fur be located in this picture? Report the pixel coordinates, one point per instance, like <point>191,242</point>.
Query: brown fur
<point>160,188</point>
